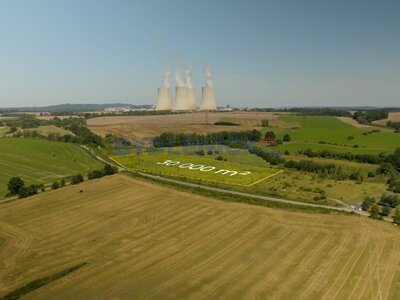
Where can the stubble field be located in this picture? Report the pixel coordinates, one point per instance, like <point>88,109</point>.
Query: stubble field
<point>141,127</point>
<point>144,241</point>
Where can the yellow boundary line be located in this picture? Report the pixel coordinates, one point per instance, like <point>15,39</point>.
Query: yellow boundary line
<point>194,178</point>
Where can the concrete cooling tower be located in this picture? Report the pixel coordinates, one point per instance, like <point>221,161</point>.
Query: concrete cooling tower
<point>164,99</point>
<point>192,98</point>
<point>208,99</point>
<point>182,102</point>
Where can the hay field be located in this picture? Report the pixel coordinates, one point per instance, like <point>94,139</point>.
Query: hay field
<point>393,116</point>
<point>141,127</point>
<point>41,161</point>
<point>143,241</point>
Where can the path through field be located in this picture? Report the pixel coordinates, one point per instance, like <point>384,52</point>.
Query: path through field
<point>145,241</point>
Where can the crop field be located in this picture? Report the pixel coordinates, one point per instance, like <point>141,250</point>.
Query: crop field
<point>331,133</point>
<point>203,168</point>
<point>140,240</point>
<point>39,161</point>
<point>393,116</point>
<point>142,127</point>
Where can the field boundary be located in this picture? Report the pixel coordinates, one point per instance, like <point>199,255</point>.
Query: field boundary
<point>194,178</point>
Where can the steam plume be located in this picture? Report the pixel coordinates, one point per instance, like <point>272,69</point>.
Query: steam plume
<point>209,80</point>
<point>178,79</point>
<point>188,73</point>
<point>166,78</point>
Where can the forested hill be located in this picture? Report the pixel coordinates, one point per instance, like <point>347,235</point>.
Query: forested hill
<point>71,107</point>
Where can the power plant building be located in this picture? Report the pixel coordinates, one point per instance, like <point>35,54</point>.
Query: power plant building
<point>208,99</point>
<point>182,103</point>
<point>164,99</point>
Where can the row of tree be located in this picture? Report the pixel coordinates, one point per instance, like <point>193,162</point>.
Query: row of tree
<point>16,186</point>
<point>325,170</point>
<point>383,207</point>
<point>368,116</point>
<point>170,139</point>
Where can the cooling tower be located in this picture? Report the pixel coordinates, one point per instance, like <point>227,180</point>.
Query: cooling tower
<point>192,98</point>
<point>181,98</point>
<point>208,99</point>
<point>164,99</point>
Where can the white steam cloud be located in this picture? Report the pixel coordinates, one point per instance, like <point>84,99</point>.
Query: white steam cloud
<point>209,80</point>
<point>166,78</point>
<point>188,73</point>
<point>178,79</point>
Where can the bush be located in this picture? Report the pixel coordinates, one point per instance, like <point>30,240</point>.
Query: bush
<point>27,191</point>
<point>76,179</point>
<point>55,185</point>
<point>96,174</point>
<point>110,170</point>
<point>287,138</point>
<point>15,184</point>
<point>210,152</point>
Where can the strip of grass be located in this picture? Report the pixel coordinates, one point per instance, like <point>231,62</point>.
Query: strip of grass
<point>241,199</point>
<point>38,283</point>
<point>152,162</point>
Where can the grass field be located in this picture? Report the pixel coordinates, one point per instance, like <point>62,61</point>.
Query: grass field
<point>46,130</point>
<point>3,130</point>
<point>213,171</point>
<point>142,241</point>
<point>314,130</point>
<point>40,161</point>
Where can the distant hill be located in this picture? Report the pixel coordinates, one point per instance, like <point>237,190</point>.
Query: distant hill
<point>71,107</point>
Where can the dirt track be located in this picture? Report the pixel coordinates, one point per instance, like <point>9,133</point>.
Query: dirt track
<point>145,241</point>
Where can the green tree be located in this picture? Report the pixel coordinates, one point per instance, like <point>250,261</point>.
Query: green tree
<point>287,138</point>
<point>15,184</point>
<point>375,211</point>
<point>55,185</point>
<point>385,211</point>
<point>396,217</point>
<point>366,204</point>
<point>270,135</point>
<point>76,179</point>
<point>62,182</point>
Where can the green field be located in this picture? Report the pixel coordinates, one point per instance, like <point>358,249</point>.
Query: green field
<point>3,130</point>
<point>314,130</point>
<point>212,171</point>
<point>46,130</point>
<point>40,161</point>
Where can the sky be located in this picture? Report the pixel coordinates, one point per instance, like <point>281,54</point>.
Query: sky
<point>262,53</point>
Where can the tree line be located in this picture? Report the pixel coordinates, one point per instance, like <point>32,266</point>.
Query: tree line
<point>16,186</point>
<point>170,139</point>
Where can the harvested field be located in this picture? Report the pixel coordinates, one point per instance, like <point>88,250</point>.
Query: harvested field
<point>393,116</point>
<point>184,118</point>
<point>142,241</point>
<point>352,122</point>
<point>140,132</point>
<point>142,127</point>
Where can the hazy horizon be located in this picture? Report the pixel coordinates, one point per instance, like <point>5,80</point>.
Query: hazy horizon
<point>262,53</point>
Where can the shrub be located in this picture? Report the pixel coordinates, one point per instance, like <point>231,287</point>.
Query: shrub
<point>15,184</point>
<point>55,185</point>
<point>287,138</point>
<point>76,179</point>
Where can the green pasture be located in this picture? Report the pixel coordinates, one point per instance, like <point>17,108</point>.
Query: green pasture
<point>48,129</point>
<point>40,161</point>
<point>240,156</point>
<point>152,162</point>
<point>340,137</point>
<point>3,130</point>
